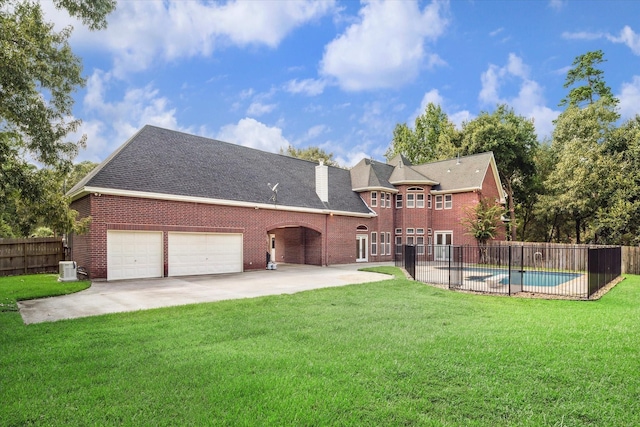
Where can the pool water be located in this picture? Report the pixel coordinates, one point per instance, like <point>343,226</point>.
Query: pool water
<point>528,278</point>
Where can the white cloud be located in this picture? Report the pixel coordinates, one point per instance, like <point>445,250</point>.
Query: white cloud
<point>628,37</point>
<point>433,96</point>
<point>351,158</point>
<point>581,35</point>
<point>630,98</point>
<point>316,131</point>
<point>181,29</point>
<point>252,133</point>
<point>529,101</point>
<point>309,87</point>
<point>459,117</point>
<point>496,32</point>
<point>120,119</point>
<point>258,109</point>
<point>557,4</point>
<point>385,48</point>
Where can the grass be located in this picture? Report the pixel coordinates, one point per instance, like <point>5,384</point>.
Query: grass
<point>17,288</point>
<point>389,353</point>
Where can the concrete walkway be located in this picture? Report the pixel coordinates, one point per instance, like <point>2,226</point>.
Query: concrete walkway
<point>131,295</point>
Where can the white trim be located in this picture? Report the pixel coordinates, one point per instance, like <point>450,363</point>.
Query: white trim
<point>361,189</point>
<point>208,201</point>
<point>459,190</point>
<point>414,181</point>
<point>365,245</point>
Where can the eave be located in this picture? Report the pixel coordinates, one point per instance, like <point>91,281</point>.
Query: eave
<point>98,191</point>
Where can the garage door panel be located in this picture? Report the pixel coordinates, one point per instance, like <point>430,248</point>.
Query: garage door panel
<point>204,253</point>
<point>134,254</point>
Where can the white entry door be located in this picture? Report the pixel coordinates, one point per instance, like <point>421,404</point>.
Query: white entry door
<point>361,248</point>
<point>444,239</point>
<point>272,245</point>
<point>134,254</point>
<point>204,253</point>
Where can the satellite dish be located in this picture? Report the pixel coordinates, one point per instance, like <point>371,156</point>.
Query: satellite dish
<point>275,187</point>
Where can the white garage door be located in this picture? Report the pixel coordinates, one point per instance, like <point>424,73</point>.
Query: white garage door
<point>134,254</point>
<point>204,253</point>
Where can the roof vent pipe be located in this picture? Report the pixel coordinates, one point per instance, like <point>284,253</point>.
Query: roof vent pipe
<point>322,182</point>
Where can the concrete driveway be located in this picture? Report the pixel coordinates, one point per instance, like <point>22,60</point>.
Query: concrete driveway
<point>131,295</point>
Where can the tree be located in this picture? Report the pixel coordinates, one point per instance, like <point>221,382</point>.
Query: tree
<point>434,137</point>
<point>580,184</point>
<point>618,222</point>
<point>513,140</point>
<point>39,73</point>
<point>483,221</point>
<point>313,154</point>
<point>584,69</point>
<point>581,180</point>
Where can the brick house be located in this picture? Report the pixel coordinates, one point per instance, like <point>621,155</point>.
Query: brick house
<point>169,204</point>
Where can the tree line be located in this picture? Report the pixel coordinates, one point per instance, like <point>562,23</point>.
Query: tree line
<point>582,185</point>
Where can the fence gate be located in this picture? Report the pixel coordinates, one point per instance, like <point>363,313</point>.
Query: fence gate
<point>455,266</point>
<point>410,260</point>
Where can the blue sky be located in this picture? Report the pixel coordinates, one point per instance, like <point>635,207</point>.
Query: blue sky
<point>339,75</point>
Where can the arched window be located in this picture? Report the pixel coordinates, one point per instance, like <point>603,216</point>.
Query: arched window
<point>362,228</point>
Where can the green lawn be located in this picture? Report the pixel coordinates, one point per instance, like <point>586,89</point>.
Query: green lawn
<point>389,353</point>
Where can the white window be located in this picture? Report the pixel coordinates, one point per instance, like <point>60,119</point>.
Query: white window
<point>398,231</point>
<point>411,200</point>
<point>374,243</point>
<point>398,245</point>
<point>420,200</point>
<point>429,231</point>
<point>382,243</point>
<point>420,244</point>
<point>388,196</point>
<point>428,201</point>
<point>398,201</point>
<point>388,243</point>
<point>419,230</point>
<point>438,202</point>
<point>430,244</point>
<point>448,201</point>
<point>410,240</point>
<point>410,231</point>
<point>374,198</point>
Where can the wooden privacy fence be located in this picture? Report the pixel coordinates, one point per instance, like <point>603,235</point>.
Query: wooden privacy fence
<point>27,256</point>
<point>630,260</point>
<point>539,254</point>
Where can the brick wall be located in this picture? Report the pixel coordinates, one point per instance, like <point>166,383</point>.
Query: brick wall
<point>315,246</point>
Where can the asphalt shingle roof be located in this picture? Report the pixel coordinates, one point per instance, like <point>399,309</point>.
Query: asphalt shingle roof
<point>157,160</point>
<point>456,174</point>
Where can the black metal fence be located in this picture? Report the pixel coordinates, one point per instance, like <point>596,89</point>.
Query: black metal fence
<point>576,272</point>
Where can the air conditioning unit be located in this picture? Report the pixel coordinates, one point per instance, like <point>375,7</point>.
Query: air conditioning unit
<point>68,271</point>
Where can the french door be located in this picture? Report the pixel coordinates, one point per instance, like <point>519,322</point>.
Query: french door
<point>444,239</point>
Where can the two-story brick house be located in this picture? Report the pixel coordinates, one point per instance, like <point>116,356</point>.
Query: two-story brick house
<point>167,204</point>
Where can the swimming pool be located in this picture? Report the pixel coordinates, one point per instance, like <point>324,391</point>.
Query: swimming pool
<point>526,278</point>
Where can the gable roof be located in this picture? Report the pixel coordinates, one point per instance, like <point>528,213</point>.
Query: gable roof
<point>461,174</point>
<point>164,163</point>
